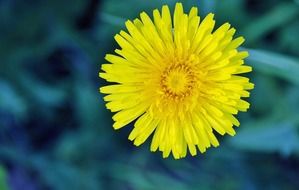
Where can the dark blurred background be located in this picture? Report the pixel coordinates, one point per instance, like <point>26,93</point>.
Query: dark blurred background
<point>55,132</point>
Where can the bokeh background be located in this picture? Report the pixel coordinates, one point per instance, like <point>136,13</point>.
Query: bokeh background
<point>55,133</point>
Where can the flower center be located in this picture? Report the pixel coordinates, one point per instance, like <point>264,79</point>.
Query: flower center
<point>177,81</point>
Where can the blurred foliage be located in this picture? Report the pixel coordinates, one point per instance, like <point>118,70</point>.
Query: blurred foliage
<point>3,179</point>
<point>55,132</point>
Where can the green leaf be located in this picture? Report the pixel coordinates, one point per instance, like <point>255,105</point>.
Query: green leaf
<point>275,18</point>
<point>268,136</point>
<point>3,179</point>
<point>11,101</point>
<point>275,64</point>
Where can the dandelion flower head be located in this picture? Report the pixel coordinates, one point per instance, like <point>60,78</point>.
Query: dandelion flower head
<point>177,79</point>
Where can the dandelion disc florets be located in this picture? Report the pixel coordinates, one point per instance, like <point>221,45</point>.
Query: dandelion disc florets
<point>177,78</point>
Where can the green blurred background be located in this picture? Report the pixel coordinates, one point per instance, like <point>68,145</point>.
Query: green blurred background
<point>55,132</point>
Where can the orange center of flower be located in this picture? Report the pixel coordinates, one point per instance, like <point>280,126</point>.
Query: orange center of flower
<point>177,81</point>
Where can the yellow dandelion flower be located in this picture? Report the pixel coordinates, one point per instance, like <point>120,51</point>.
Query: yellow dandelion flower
<point>178,80</point>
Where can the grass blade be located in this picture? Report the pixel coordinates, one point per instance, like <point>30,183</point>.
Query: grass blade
<point>275,64</point>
